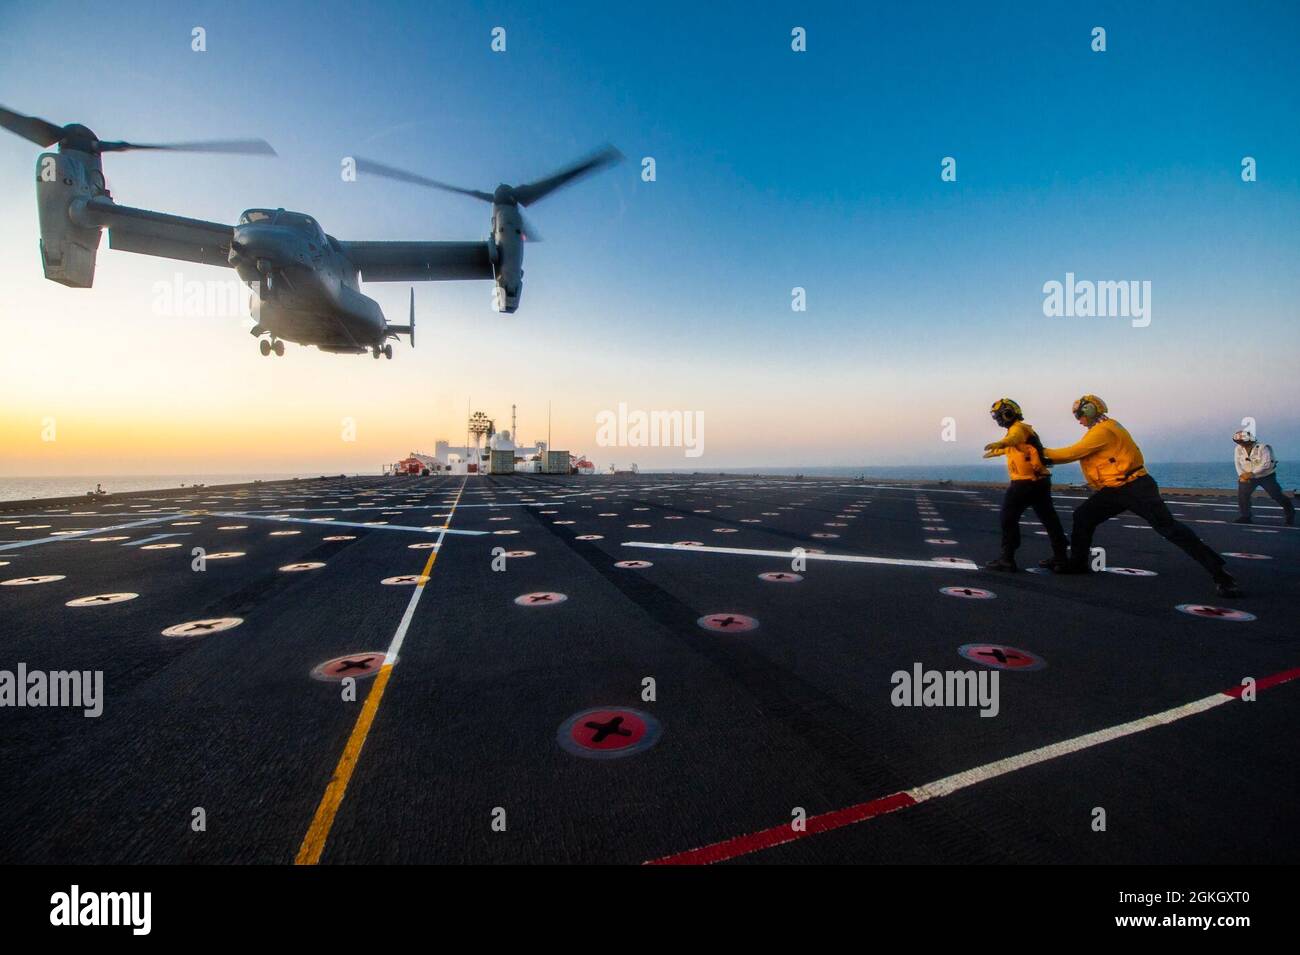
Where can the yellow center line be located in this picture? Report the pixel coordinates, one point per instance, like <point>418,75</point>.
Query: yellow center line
<point>313,843</point>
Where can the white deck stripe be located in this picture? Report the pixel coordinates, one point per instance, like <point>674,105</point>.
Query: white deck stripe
<point>400,636</point>
<point>789,555</point>
<point>969,777</point>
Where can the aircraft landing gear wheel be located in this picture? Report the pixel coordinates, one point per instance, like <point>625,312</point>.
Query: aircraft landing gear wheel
<point>375,351</point>
<point>264,347</point>
<point>388,352</point>
<point>278,348</point>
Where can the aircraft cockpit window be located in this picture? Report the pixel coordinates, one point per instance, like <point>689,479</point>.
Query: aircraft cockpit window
<point>301,222</point>
<point>256,215</point>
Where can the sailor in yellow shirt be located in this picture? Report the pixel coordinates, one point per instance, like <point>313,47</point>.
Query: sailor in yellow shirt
<point>1113,467</point>
<point>1031,486</point>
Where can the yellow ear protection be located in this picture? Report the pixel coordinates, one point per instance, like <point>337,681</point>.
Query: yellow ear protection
<point>1005,412</point>
<point>1089,407</point>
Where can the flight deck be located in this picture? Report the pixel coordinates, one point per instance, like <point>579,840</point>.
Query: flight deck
<point>633,669</point>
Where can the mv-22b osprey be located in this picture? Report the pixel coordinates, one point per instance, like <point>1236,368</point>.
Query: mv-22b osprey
<point>307,282</point>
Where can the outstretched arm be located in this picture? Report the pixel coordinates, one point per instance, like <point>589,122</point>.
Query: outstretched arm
<point>1094,440</point>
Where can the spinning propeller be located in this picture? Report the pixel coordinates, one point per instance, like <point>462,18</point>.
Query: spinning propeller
<point>78,137</point>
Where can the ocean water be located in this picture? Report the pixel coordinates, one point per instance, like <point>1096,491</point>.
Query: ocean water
<point>26,488</point>
<point>1213,474</point>
<point>1210,474</point>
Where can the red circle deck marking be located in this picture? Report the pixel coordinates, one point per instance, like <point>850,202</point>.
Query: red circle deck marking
<point>968,593</point>
<point>1216,613</point>
<point>357,665</point>
<point>1242,555</point>
<point>540,598</point>
<point>727,622</point>
<point>688,543</point>
<point>948,560</point>
<point>825,536</point>
<point>939,540</point>
<point>780,577</point>
<point>30,581</point>
<point>1001,657</point>
<point>198,628</point>
<point>608,733</point>
<point>521,553</point>
<point>590,537</point>
<point>100,600</point>
<point>1131,572</point>
<point>633,564</point>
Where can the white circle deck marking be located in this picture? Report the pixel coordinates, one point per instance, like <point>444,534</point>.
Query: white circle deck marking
<point>1131,572</point>
<point>105,540</point>
<point>404,580</point>
<point>225,555</point>
<point>31,581</point>
<point>284,533</point>
<point>100,600</point>
<point>198,628</point>
<point>302,565</point>
<point>633,564</point>
<point>521,553</point>
<point>942,541</point>
<point>541,598</point>
<point>780,577</point>
<point>340,537</point>
<point>1242,555</point>
<point>425,545</point>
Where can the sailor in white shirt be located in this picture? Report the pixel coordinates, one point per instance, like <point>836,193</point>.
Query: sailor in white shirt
<point>1256,467</point>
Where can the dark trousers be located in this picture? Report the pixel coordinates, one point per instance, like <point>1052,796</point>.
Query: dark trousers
<point>1142,497</point>
<point>1020,496</point>
<point>1274,490</point>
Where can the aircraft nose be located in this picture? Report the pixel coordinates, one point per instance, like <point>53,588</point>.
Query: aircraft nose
<point>253,242</point>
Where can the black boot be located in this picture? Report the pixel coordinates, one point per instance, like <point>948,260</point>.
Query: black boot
<point>1226,585</point>
<point>1007,564</point>
<point>1242,520</point>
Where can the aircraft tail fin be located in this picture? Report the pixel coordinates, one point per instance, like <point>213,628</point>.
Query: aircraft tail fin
<point>408,329</point>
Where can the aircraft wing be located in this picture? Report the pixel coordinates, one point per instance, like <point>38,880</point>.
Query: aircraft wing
<point>159,233</point>
<point>420,261</point>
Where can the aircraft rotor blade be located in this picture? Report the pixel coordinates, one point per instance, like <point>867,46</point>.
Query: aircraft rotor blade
<point>532,192</point>
<point>242,147</point>
<point>388,172</point>
<point>39,131</point>
<point>530,232</point>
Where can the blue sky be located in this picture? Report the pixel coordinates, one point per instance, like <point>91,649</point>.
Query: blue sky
<point>775,170</point>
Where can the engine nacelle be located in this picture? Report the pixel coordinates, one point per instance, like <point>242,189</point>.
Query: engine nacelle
<point>507,257</point>
<point>68,250</point>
